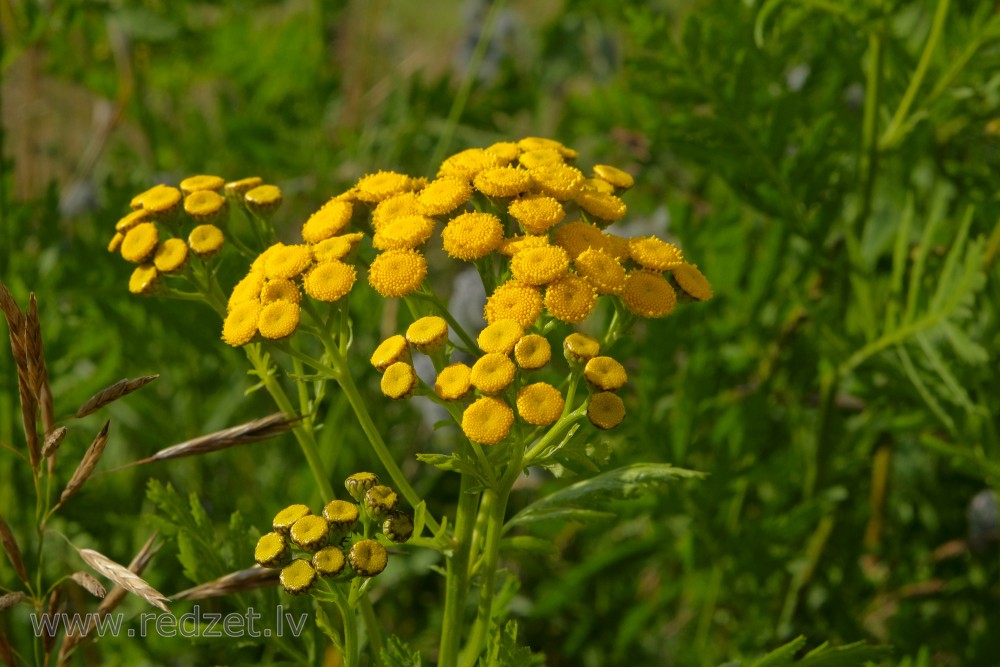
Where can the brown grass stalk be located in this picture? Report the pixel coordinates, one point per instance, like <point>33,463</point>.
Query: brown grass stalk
<point>86,466</point>
<point>234,582</point>
<point>89,583</point>
<point>13,551</point>
<point>124,577</point>
<point>252,431</point>
<point>113,393</point>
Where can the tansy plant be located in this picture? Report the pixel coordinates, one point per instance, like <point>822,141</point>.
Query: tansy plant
<point>539,232</point>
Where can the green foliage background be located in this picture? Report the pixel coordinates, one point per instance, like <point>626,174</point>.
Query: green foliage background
<point>831,167</point>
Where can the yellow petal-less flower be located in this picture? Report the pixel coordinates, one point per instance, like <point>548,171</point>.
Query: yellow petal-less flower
<point>392,349</point>
<point>558,180</point>
<point>136,203</point>
<point>570,299</point>
<point>604,206</point>
<point>131,220</point>
<point>280,289</point>
<point>381,185</point>
<point>240,325</point>
<point>502,181</point>
<point>328,221</point>
<point>329,280</point>
<point>580,348</point>
<point>539,266</point>
<point>648,294</point>
<point>444,195</point>
<point>396,206</point>
<point>492,373</point>
<point>145,280</point>
<point>278,320</point>
<point>247,289</point>
<point>575,237</point>
<point>428,334</point>
<point>605,373</point>
<point>536,213</point>
<point>616,246</point>
<point>396,273</point>
<point>287,261</point>
<point>171,256</point>
<point>539,404</point>
<point>470,236</point>
<point>606,410</point>
<point>297,577</point>
<point>466,164</point>
<point>613,175</point>
<point>540,157</point>
<point>487,421</point>
<point>408,231</point>
<point>263,200</point>
<point>310,533</point>
<point>335,247</point>
<point>601,270</point>
<point>693,282</point>
<point>140,242</point>
<point>206,241</point>
<point>368,558</point>
<point>399,381</point>
<point>453,382</point>
<point>236,189</point>
<point>512,245</point>
<point>542,143</point>
<point>272,550</point>
<point>597,185</point>
<point>286,518</point>
<point>532,352</point>
<point>514,301</point>
<point>329,561</point>
<point>341,514</point>
<point>505,151</point>
<point>206,206</point>
<point>162,202</point>
<point>653,253</point>
<point>500,337</point>
<point>202,182</point>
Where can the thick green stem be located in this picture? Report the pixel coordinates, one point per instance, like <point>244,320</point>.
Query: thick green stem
<point>457,575</point>
<point>372,628</point>
<point>352,648</point>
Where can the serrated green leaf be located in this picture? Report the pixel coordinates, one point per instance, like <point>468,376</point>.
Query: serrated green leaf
<point>783,655</point>
<point>397,654</point>
<point>844,656</point>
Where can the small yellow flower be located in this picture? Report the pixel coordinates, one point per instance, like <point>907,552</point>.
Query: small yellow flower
<point>286,261</point>
<point>240,325</point>
<point>341,514</point>
<point>444,195</point>
<point>397,272</point>
<point>286,518</point>
<point>145,280</point>
<point>613,175</point>
<point>539,266</point>
<point>606,410</point>
<point>502,181</point>
<point>539,404</point>
<point>453,382</point>
<point>278,320</point>
<point>202,182</point>
<point>162,202</point>
<point>310,533</point>
<point>206,241</point>
<point>329,281</point>
<point>170,256</point>
<point>206,206</point>
<point>652,253</point>
<point>280,289</point>
<point>272,550</point>
<point>115,244</point>
<point>136,203</point>
<point>329,561</point>
<point>604,206</point>
<point>248,289</point>
<point>466,164</point>
<point>381,185</point>
<point>605,373</point>
<point>512,245</point>
<point>648,294</point>
<point>263,200</point>
<point>542,143</point>
<point>616,246</point>
<point>500,337</point>
<point>140,242</point>
<point>601,270</point>
<point>336,247</point>
<point>492,373</point>
<point>693,282</point>
<point>428,334</point>
<point>532,352</point>
<point>505,151</point>
<point>540,157</point>
<point>536,213</point>
<point>470,236</point>
<point>328,221</point>
<point>575,237</point>
<point>597,185</point>
<point>514,301</point>
<point>236,189</point>
<point>580,348</point>
<point>487,421</point>
<point>131,220</point>
<point>570,299</point>
<point>399,380</point>
<point>396,206</point>
<point>368,558</point>
<point>392,349</point>
<point>408,231</point>
<point>297,577</point>
<point>558,180</point>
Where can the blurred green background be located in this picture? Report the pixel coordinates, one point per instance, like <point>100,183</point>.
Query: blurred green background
<point>832,167</point>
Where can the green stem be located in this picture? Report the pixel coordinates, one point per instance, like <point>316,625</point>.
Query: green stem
<point>352,648</point>
<point>442,309</point>
<point>457,575</point>
<point>372,627</point>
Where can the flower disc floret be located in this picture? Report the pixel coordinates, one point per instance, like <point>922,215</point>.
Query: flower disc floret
<point>428,334</point>
<point>558,180</point>
<point>396,273</point>
<point>613,175</point>
<point>286,261</point>
<point>648,294</point>
<point>606,410</point>
<point>693,282</point>
<point>280,289</point>
<point>278,320</point>
<point>368,558</point>
<point>466,164</point>
<point>202,182</point>
<point>443,195</point>
<point>604,206</point>
<point>570,299</point>
<point>145,280</point>
<point>399,381</point>
<point>492,373</point>
<point>487,421</point>
<point>240,325</point>
<point>656,254</point>
<point>392,349</point>
<point>500,336</point>
<point>298,577</point>
<point>470,236</point>
<point>605,373</point>
<point>206,241</point>
<point>536,213</point>
<point>514,301</point>
<point>601,270</point>
<point>502,181</point>
<point>577,236</point>
<point>140,242</point>
<point>381,185</point>
<point>329,281</point>
<point>453,382</point>
<point>170,256</point>
<point>390,208</point>
<point>328,221</point>
<point>408,231</point>
<point>532,352</point>
<point>539,404</point>
<point>539,266</point>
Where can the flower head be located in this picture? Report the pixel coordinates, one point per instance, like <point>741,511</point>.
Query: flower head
<point>532,352</point>
<point>570,299</point>
<point>399,381</point>
<point>358,484</point>
<point>492,373</point>
<point>428,334</point>
<point>368,558</point>
<point>514,301</point>
<point>329,280</point>
<point>398,527</point>
<point>206,206</point>
<point>278,320</point>
<point>248,289</point>
<point>240,325</point>
<point>616,246</point>
<point>236,189</point>
<point>392,349</point>
<point>263,200</point>
<point>575,237</point>
<point>470,236</point>
<point>605,410</point>
<point>540,157</point>
<point>161,202</point>
<point>380,500</point>
<point>652,253</point>
<point>692,281</point>
<point>539,266</point>
<point>453,382</point>
<point>539,404</point>
<point>341,514</point>
<point>558,180</point>
<point>272,550</point>
<point>408,231</point>
<point>298,576</point>
<point>605,206</point>
<point>597,185</point>
<point>286,261</point>
<point>310,533</point>
<point>541,143</point>
<point>328,221</point>
<point>170,256</point>
<point>443,195</point>
<point>466,164</point>
<point>614,176</point>
<point>206,241</point>
<point>381,185</point>
<point>504,151</point>
<point>286,518</point>
<point>396,206</point>
<point>329,561</point>
<point>500,336</point>
<point>397,272</point>
<point>580,348</point>
<point>145,280</point>
<point>140,242</point>
<point>512,245</point>
<point>335,247</point>
<point>115,244</point>
<point>536,213</point>
<point>280,289</point>
<point>202,182</point>
<point>502,181</point>
<point>648,294</point>
<point>154,193</point>
<point>487,421</point>
<point>601,270</point>
<point>131,220</point>
<point>605,373</point>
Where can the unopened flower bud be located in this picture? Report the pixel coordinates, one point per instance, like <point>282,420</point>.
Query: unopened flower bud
<point>341,515</point>
<point>580,348</point>
<point>398,527</point>
<point>359,483</point>
<point>310,533</point>
<point>380,501</point>
<point>329,561</point>
<point>284,519</point>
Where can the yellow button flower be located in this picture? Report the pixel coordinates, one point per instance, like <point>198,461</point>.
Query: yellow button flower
<point>263,200</point>
<point>381,185</point>
<point>162,202</point>
<point>392,349</point>
<point>539,404</point>
<point>558,180</point>
<point>580,348</point>
<point>397,272</point>
<point>131,220</point>
<point>614,176</point>
<point>206,206</point>
<point>514,301</point>
<point>171,256</point>
<point>492,373</point>
<point>577,236</point>
<point>297,577</point>
<point>648,294</point>
<point>335,247</point>
<point>328,221</point>
<point>286,518</point>
<point>145,280</point>
<point>466,164</point>
<point>653,253</point>
<point>396,206</point>
<point>539,266</point>
<point>408,231</point>
<point>532,352</point>
<point>597,185</point>
<point>206,241</point>
<point>543,143</point>
<point>368,558</point>
<point>605,373</point>
<point>236,189</point>
<point>502,181</point>
<point>470,236</point>
<point>399,380</point>
<point>115,244</point>
<point>329,280</point>
<point>570,299</point>
<point>540,157</point>
<point>140,242</point>
<point>202,182</point>
<point>505,151</point>
<point>341,514</point>
<point>240,325</point>
<point>604,206</point>
<point>500,336</point>
<point>616,246</point>
<point>693,282</point>
<point>280,289</point>
<point>286,261</point>
<point>329,561</point>
<point>248,289</point>
<point>272,550</point>
<point>136,203</point>
<point>310,533</point>
<point>605,410</point>
<point>487,421</point>
<point>512,245</point>
<point>444,195</point>
<point>536,213</point>
<point>453,382</point>
<point>278,320</point>
<point>601,270</point>
<point>428,334</point>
